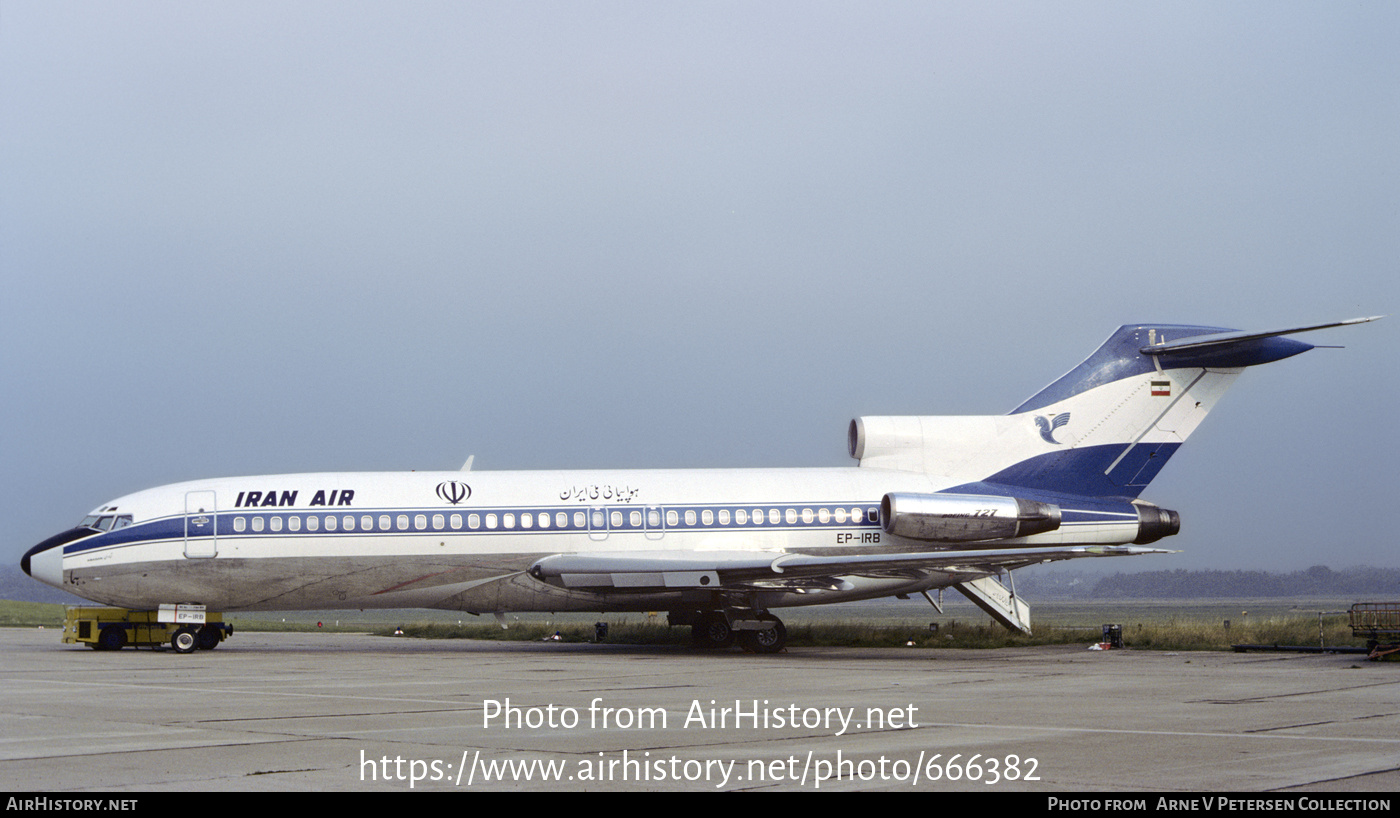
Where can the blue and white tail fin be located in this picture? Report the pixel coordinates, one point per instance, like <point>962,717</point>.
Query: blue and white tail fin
<point>1104,429</point>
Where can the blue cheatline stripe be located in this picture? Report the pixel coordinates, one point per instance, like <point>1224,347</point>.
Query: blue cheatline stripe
<point>1075,508</point>
<point>1082,511</point>
<point>173,528</point>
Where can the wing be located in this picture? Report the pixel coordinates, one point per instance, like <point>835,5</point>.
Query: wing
<point>733,570</point>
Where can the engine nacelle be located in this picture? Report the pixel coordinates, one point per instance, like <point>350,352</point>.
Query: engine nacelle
<point>1155,522</point>
<point>965,517</point>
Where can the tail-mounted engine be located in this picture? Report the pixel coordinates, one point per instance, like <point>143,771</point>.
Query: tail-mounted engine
<point>1155,522</point>
<point>965,517</point>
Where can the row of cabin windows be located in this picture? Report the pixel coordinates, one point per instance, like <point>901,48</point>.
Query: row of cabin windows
<point>347,522</point>
<point>616,518</point>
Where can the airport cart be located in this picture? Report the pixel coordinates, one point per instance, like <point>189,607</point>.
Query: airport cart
<point>1379,624</point>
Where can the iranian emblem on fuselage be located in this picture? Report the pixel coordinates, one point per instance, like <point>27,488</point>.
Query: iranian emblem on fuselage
<point>454,491</point>
<point>1048,425</point>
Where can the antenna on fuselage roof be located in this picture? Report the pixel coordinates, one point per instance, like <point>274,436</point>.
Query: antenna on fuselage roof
<point>467,466</point>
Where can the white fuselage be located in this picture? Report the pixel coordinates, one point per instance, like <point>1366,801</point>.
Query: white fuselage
<point>463,540</point>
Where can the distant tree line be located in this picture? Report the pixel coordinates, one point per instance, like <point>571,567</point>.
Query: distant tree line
<point>1362,583</point>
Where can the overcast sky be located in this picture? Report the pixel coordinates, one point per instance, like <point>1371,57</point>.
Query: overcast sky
<point>253,238</point>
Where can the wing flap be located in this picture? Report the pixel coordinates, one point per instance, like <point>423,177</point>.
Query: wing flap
<point>716,570</point>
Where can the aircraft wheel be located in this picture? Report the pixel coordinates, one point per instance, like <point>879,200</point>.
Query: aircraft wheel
<point>113,638</point>
<point>208,638</point>
<point>185,640</point>
<point>712,631</point>
<point>770,640</point>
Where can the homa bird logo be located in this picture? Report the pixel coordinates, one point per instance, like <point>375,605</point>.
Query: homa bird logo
<point>1048,425</point>
<point>453,491</point>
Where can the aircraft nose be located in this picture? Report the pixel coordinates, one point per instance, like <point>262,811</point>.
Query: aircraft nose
<point>44,561</point>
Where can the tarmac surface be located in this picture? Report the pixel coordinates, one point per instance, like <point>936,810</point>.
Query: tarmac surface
<point>337,712</point>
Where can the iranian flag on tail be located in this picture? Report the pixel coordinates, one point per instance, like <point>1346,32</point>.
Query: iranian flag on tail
<point>1162,389</point>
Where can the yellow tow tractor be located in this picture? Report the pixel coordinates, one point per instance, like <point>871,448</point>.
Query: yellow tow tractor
<point>184,628</point>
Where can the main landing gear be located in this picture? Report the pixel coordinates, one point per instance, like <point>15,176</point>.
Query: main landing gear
<point>755,632</point>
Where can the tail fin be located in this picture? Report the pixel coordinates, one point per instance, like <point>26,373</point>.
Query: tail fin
<point>1104,429</point>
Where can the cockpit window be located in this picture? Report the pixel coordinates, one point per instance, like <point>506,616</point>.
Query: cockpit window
<point>107,523</point>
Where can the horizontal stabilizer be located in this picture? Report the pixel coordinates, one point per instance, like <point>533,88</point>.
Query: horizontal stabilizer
<point>1223,339</point>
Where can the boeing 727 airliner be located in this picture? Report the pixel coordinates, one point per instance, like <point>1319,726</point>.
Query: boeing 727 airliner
<point>934,502</point>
